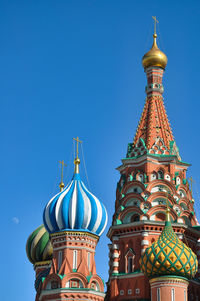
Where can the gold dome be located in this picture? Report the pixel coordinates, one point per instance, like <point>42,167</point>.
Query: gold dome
<point>154,57</point>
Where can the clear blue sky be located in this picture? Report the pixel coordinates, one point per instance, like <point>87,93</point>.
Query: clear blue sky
<point>73,68</point>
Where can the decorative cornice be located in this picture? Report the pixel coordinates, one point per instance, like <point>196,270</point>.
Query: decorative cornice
<point>74,233</point>
<point>174,279</point>
<point>41,263</point>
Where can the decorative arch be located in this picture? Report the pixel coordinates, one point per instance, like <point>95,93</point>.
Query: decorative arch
<point>161,209</point>
<point>183,205</point>
<point>131,187</point>
<point>96,279</point>
<point>52,281</point>
<point>80,278</point>
<point>132,202</point>
<point>169,185</point>
<point>130,214</point>
<point>182,193</point>
<point>162,196</point>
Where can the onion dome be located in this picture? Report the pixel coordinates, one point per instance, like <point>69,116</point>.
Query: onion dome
<point>169,255</point>
<point>38,246</point>
<point>75,208</point>
<point>154,57</point>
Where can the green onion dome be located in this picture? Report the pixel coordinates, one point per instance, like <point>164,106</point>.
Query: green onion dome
<point>38,246</point>
<point>169,256</point>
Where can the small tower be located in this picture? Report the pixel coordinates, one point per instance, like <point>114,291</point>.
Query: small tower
<point>39,252</point>
<point>169,263</point>
<point>75,219</point>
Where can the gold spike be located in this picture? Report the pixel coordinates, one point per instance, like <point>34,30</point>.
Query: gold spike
<point>62,185</point>
<point>77,160</point>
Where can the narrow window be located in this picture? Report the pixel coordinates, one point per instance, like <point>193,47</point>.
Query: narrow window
<point>89,261</point>
<point>130,265</point>
<point>158,294</point>
<point>185,295</point>
<point>75,259</point>
<point>173,294</point>
<point>59,259</point>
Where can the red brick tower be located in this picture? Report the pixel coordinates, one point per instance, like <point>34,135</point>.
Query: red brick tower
<point>152,174</point>
<point>74,219</point>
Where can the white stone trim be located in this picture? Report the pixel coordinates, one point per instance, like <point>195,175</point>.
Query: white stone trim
<point>115,246</point>
<point>74,248</point>
<point>115,255</point>
<point>65,290</point>
<point>115,264</point>
<point>144,242</point>
<point>127,276</point>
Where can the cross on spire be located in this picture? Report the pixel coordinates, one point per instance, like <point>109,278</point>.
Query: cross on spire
<point>77,142</point>
<point>155,21</point>
<point>77,160</point>
<point>62,185</point>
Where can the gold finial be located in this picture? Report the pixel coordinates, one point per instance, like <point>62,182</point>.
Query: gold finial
<point>77,160</point>
<point>167,218</point>
<point>154,57</point>
<point>62,185</point>
<point>155,21</point>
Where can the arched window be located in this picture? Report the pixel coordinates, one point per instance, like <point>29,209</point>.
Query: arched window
<point>182,193</point>
<point>133,202</point>
<point>54,284</point>
<point>160,174</point>
<point>130,264</point>
<point>131,217</point>
<point>158,294</point>
<point>135,218</point>
<point>95,286</point>
<point>88,260</point>
<point>129,261</point>
<point>141,178</point>
<point>134,189</point>
<point>153,176</point>
<point>75,259</point>
<point>59,259</point>
<point>184,206</point>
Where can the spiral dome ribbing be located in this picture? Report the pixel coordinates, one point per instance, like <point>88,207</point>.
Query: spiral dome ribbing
<point>75,208</point>
<point>169,256</point>
<point>38,246</point>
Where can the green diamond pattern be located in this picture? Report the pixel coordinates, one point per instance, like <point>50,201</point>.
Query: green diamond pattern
<point>169,256</point>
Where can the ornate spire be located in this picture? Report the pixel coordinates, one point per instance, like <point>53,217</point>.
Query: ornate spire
<point>154,131</point>
<point>77,160</point>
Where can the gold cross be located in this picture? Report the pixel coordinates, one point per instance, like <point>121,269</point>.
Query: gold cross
<point>191,181</point>
<point>155,21</point>
<point>62,168</point>
<point>77,142</point>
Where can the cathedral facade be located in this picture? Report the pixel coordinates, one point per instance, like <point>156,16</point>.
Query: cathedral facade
<point>154,247</point>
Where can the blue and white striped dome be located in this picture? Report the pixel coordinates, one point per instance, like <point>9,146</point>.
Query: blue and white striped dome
<point>75,208</point>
